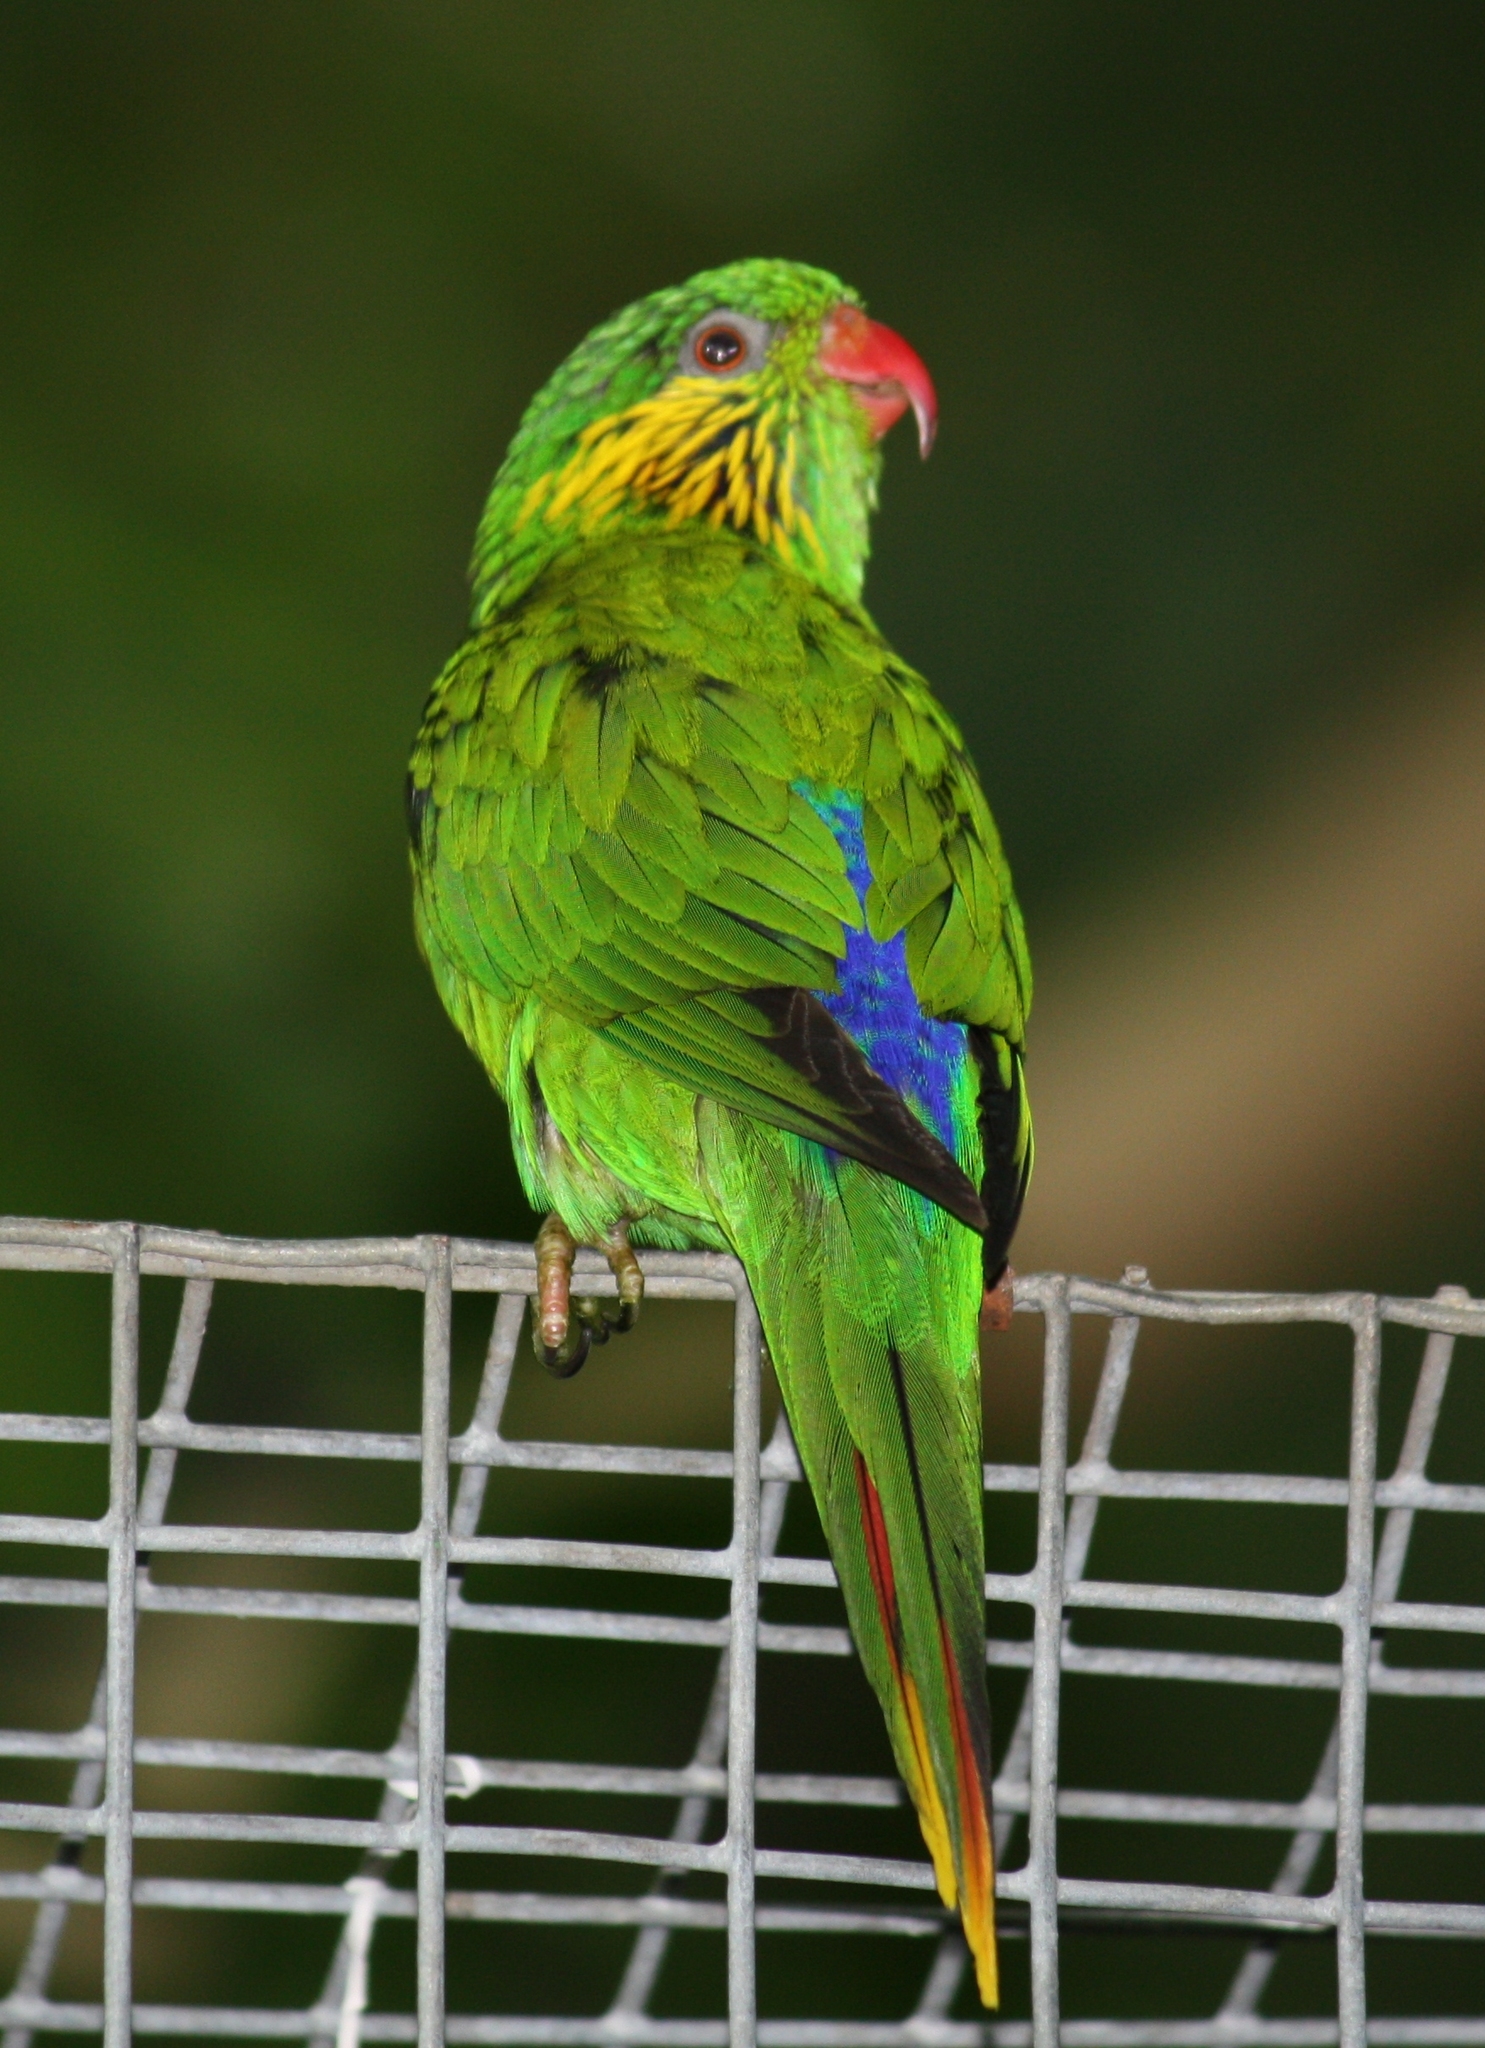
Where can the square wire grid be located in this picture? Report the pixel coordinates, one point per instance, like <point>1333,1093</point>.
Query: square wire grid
<point>415,1770</point>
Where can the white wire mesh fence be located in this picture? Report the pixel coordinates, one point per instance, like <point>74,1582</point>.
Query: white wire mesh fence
<point>877,1897</point>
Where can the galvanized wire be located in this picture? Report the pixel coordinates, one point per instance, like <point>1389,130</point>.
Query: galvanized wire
<point>417,1776</point>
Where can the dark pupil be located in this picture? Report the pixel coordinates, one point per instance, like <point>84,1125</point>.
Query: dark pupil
<point>719,347</point>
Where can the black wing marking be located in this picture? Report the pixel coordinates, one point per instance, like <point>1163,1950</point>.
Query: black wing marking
<point>1006,1140</point>
<point>881,1129</point>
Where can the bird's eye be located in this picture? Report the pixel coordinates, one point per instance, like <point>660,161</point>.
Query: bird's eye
<point>718,348</point>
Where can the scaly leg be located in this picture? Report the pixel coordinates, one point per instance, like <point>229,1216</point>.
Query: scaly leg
<point>997,1303</point>
<point>626,1270</point>
<point>561,1348</point>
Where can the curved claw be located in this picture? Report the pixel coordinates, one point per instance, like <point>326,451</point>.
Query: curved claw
<point>570,1356</point>
<point>591,1315</point>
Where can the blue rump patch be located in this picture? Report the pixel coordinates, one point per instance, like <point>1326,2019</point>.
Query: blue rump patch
<point>921,1057</point>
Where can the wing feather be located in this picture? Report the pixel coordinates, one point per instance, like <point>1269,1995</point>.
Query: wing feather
<point>629,837</point>
<point>743,795</point>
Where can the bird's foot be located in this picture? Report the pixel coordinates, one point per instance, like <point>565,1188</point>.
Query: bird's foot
<point>565,1330</point>
<point>599,1317</point>
<point>562,1349</point>
<point>624,1265</point>
<point>997,1303</point>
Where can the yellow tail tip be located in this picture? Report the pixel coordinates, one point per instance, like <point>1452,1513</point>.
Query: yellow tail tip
<point>983,1947</point>
<point>977,1914</point>
<point>941,1850</point>
<point>923,1787</point>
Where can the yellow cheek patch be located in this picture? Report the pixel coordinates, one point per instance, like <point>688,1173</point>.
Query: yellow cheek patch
<point>699,449</point>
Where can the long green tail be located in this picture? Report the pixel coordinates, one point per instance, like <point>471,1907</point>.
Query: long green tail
<point>869,1298</point>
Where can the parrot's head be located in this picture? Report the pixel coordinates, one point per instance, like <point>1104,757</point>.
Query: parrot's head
<point>748,401</point>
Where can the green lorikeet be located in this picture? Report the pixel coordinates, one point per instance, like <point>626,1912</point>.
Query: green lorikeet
<point>706,880</point>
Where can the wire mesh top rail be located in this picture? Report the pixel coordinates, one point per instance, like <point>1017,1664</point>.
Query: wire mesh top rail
<point>417,1776</point>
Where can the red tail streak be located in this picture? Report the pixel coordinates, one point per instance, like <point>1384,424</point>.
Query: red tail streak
<point>914,1754</point>
<point>879,1557</point>
<point>977,1902</point>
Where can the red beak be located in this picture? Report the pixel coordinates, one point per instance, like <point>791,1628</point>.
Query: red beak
<point>885,374</point>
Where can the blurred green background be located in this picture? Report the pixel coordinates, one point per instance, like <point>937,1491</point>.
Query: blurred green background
<point>1199,565</point>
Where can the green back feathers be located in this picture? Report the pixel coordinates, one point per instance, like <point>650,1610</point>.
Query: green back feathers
<point>609,815</point>
<point>627,751</point>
